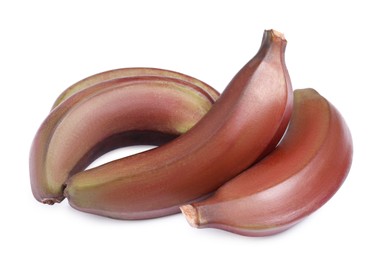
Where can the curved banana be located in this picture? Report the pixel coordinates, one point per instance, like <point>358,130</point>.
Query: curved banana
<point>247,120</point>
<point>90,120</point>
<point>298,177</point>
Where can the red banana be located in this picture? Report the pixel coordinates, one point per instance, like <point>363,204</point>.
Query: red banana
<point>297,178</point>
<point>110,110</point>
<point>247,121</point>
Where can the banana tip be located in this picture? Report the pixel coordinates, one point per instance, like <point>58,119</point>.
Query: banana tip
<point>51,201</point>
<point>191,215</point>
<point>278,34</point>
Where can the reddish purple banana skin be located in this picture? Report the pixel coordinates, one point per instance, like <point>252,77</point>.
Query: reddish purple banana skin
<point>247,121</point>
<point>49,170</point>
<point>297,178</point>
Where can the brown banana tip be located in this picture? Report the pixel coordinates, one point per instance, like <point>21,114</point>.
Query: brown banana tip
<point>278,34</point>
<point>191,215</point>
<point>51,201</point>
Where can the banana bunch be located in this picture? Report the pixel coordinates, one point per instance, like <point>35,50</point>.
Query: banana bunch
<point>254,160</point>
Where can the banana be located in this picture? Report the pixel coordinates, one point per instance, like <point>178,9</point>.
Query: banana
<point>247,120</point>
<point>298,177</point>
<point>110,110</point>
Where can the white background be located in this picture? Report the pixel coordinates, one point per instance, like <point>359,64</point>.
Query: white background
<point>46,46</point>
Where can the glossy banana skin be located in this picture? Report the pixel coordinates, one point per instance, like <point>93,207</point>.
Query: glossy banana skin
<point>245,122</point>
<point>298,177</point>
<point>123,107</point>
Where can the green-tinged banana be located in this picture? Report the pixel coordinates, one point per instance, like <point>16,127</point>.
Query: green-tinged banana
<point>298,177</point>
<point>129,107</point>
<point>247,120</point>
